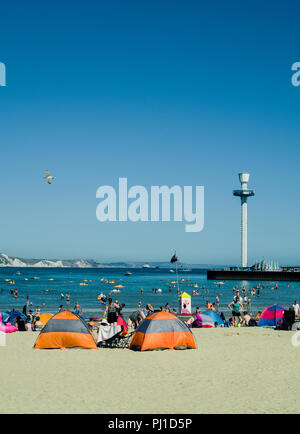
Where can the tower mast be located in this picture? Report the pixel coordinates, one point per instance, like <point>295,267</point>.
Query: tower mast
<point>244,193</point>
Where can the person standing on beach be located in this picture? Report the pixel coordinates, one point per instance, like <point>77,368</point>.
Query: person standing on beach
<point>236,307</point>
<point>37,311</point>
<point>218,303</point>
<point>110,309</point>
<point>296,307</point>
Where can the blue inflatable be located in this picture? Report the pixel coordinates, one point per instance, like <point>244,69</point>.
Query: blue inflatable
<point>12,316</point>
<point>214,316</point>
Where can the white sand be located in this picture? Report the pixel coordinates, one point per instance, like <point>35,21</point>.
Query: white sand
<point>237,370</point>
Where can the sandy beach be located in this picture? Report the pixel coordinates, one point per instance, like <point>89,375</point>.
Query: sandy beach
<point>235,370</point>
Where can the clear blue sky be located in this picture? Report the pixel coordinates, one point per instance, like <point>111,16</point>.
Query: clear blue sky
<point>161,92</point>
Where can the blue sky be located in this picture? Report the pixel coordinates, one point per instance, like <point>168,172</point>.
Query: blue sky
<point>161,92</point>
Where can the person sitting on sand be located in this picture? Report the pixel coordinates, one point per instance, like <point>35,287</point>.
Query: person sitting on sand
<point>197,323</point>
<point>38,325</point>
<point>185,310</point>
<point>137,317</point>
<point>258,315</point>
<point>247,318</point>
<point>149,309</point>
<point>20,323</point>
<point>28,326</point>
<point>93,325</point>
<point>235,307</point>
<point>288,319</point>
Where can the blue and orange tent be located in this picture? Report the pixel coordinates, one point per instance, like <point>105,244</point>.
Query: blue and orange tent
<point>160,331</point>
<point>271,315</point>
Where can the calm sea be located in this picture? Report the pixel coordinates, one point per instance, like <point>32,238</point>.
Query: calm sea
<point>46,293</point>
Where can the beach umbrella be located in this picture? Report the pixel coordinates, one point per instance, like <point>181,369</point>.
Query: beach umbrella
<point>214,316</point>
<point>271,315</point>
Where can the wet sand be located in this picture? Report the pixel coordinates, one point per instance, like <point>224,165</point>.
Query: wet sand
<point>236,370</point>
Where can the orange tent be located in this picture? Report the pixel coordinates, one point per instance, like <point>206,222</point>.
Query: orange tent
<point>44,318</point>
<point>65,330</point>
<point>160,331</point>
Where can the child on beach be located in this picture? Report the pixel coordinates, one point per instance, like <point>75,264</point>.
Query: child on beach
<point>28,326</point>
<point>38,325</point>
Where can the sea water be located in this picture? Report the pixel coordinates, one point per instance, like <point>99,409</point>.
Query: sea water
<point>46,294</point>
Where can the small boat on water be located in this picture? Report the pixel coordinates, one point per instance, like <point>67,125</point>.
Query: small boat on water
<point>128,273</point>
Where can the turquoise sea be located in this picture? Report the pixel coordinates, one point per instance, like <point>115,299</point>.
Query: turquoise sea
<point>45,293</point>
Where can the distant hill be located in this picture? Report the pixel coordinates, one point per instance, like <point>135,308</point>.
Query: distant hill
<point>9,261</point>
